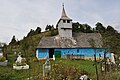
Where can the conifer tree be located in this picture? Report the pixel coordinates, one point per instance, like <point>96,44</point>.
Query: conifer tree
<point>13,41</point>
<point>38,30</point>
<point>31,33</point>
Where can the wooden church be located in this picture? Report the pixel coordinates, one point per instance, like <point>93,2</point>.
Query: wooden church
<point>70,45</point>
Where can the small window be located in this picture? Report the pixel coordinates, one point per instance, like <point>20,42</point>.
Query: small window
<point>68,21</point>
<point>64,21</point>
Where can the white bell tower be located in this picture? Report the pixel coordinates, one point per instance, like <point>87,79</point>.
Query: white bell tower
<point>65,25</point>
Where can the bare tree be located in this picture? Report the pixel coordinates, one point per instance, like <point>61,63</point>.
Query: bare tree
<point>93,45</point>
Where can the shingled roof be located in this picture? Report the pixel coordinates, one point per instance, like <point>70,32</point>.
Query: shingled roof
<point>47,42</point>
<point>79,40</point>
<point>83,39</point>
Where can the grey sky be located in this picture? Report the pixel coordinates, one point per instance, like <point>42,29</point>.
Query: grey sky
<point>17,17</point>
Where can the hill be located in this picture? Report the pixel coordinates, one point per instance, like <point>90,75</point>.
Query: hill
<point>110,37</point>
<point>61,69</point>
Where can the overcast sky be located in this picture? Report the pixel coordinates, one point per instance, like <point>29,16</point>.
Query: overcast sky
<point>17,17</point>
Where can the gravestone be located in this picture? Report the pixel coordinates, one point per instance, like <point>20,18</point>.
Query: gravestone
<point>112,58</point>
<point>15,53</point>
<point>46,66</point>
<point>19,58</point>
<point>84,77</point>
<point>54,57</point>
<point>20,63</point>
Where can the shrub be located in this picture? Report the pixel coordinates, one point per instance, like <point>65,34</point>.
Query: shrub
<point>60,72</point>
<point>2,59</point>
<point>23,62</point>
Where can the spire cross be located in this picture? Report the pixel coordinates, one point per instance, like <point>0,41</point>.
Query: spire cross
<point>63,5</point>
<point>64,16</point>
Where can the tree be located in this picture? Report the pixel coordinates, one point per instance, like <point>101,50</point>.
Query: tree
<point>49,27</point>
<point>100,28</point>
<point>38,30</point>
<point>31,33</point>
<point>93,45</point>
<point>88,28</point>
<point>77,27</point>
<point>111,29</point>
<point>53,32</point>
<point>5,50</point>
<point>13,41</point>
<point>2,44</point>
<point>24,46</point>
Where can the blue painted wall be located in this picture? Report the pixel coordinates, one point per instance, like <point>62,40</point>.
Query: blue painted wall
<point>87,52</point>
<point>42,53</point>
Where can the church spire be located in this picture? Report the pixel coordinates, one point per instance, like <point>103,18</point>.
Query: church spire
<point>64,16</point>
<point>63,12</point>
<point>64,25</point>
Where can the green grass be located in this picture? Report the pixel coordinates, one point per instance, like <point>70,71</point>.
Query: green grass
<point>60,69</point>
<point>36,68</point>
<point>81,65</point>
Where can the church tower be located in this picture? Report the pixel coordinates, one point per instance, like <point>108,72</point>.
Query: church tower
<point>65,25</point>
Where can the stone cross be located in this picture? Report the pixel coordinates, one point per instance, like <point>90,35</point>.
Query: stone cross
<point>46,66</point>
<point>19,59</point>
<point>112,58</point>
<point>54,57</point>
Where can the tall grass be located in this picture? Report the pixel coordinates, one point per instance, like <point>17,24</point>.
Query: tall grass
<point>60,69</point>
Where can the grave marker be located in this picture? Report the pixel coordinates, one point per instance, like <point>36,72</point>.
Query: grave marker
<point>46,66</point>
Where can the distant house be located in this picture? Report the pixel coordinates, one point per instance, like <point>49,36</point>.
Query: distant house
<point>70,45</point>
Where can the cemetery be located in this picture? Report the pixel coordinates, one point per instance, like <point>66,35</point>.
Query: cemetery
<point>54,68</point>
<point>57,68</point>
<point>66,56</point>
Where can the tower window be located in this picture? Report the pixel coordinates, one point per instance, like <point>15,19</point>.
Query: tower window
<point>68,21</point>
<point>64,21</point>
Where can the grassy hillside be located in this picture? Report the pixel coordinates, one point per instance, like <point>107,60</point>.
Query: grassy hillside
<point>61,69</point>
<point>111,38</point>
<point>28,44</point>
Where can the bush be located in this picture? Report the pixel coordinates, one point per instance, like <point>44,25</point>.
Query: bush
<point>2,59</point>
<point>23,62</point>
<point>60,72</point>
